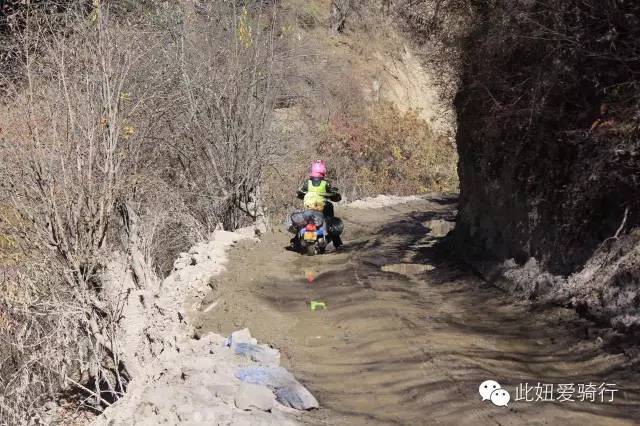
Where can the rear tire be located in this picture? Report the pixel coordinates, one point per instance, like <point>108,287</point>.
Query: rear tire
<point>310,249</point>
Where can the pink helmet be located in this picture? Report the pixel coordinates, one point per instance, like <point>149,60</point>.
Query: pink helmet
<point>318,169</point>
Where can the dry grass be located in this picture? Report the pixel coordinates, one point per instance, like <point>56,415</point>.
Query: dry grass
<point>389,152</point>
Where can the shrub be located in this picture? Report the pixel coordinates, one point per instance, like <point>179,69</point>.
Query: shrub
<point>127,136</point>
<point>388,151</point>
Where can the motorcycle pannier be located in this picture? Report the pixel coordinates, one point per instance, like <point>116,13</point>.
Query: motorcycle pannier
<point>335,226</point>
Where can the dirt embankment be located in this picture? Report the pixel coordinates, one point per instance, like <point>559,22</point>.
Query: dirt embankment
<point>403,334</point>
<point>549,147</point>
<point>179,376</point>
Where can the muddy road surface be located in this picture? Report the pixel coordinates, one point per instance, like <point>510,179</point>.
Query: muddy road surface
<point>408,334</point>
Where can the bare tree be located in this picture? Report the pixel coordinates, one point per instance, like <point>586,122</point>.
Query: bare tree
<point>127,137</point>
<point>230,83</point>
<point>72,166</point>
<point>340,10</point>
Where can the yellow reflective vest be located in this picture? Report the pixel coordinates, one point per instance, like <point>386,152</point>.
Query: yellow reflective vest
<point>314,198</point>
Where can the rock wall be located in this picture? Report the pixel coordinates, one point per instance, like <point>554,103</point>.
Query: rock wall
<point>549,160</point>
<point>549,142</point>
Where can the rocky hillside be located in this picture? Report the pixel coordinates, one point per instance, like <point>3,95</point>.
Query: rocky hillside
<point>549,145</point>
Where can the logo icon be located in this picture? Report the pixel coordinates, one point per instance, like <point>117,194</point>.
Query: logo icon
<point>492,391</point>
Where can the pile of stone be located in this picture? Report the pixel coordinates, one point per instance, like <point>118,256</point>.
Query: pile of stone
<point>267,383</point>
<point>216,381</point>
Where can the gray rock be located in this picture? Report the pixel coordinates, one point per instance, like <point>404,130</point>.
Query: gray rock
<point>179,264</point>
<point>240,336</point>
<point>289,391</point>
<point>254,397</point>
<point>439,227</point>
<point>509,264</point>
<point>296,396</point>
<point>259,353</point>
<point>273,377</point>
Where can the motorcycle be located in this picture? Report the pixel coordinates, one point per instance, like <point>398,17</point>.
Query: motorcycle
<point>311,234</point>
<point>313,228</point>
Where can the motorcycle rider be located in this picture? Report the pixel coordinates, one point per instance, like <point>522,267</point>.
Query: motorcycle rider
<point>317,186</point>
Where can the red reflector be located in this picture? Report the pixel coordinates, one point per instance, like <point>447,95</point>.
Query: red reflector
<point>311,227</point>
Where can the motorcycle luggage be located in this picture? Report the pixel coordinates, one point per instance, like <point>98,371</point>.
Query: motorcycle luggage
<point>301,219</point>
<point>335,226</point>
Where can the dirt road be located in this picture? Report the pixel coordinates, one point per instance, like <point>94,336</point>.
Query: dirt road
<point>408,334</point>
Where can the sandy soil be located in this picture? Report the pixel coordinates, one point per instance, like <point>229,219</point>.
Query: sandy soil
<point>408,334</point>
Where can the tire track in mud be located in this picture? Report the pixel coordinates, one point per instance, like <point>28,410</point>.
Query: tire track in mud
<point>405,343</point>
